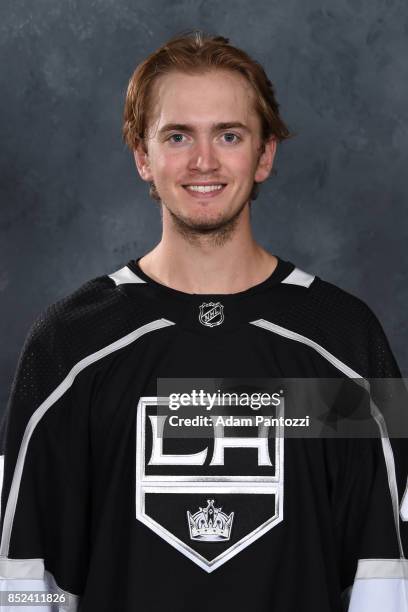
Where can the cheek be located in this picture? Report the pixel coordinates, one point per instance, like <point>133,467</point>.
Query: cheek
<point>241,164</point>
<point>169,167</point>
<point>240,157</point>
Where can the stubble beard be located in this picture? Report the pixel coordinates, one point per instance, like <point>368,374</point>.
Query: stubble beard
<point>213,233</point>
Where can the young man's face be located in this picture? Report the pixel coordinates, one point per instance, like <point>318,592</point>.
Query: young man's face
<point>204,147</point>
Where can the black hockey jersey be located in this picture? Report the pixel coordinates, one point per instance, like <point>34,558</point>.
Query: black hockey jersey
<point>103,509</point>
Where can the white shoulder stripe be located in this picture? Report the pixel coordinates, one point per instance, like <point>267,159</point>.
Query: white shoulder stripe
<point>288,333</point>
<point>11,505</point>
<point>124,276</point>
<point>375,412</point>
<point>298,277</point>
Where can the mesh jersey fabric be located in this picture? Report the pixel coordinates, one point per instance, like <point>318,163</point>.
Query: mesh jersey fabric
<point>74,511</point>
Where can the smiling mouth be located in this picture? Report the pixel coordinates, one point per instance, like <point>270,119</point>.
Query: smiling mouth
<point>209,190</point>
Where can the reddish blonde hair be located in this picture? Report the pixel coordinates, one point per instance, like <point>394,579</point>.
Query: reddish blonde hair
<point>196,52</point>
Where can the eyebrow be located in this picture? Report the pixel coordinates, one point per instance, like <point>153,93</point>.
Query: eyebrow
<point>216,127</point>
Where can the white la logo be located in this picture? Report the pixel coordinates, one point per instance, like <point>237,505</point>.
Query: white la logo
<point>244,473</point>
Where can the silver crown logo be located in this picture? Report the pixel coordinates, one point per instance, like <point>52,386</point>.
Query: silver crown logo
<point>210,524</point>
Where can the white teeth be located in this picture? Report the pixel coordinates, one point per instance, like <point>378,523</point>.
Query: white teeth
<point>204,188</point>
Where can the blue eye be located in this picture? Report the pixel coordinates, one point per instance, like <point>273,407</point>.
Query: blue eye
<point>229,137</point>
<point>179,138</point>
<point>235,138</point>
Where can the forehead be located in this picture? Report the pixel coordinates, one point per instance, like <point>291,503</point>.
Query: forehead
<point>198,99</point>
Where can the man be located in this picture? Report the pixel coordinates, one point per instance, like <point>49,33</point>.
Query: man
<point>102,503</point>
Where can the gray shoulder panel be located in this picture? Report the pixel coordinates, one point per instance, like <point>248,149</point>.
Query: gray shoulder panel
<point>125,276</point>
<point>298,277</point>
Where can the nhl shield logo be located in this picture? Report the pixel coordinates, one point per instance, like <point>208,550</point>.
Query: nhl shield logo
<point>211,314</point>
<point>208,497</point>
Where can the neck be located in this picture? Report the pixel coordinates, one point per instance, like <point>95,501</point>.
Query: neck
<point>204,265</point>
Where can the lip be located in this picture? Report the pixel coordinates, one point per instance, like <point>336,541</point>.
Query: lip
<point>204,196</point>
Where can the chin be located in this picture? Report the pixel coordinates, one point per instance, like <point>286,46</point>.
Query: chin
<point>204,223</point>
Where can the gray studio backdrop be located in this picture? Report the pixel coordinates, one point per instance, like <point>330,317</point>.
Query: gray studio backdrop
<point>72,206</point>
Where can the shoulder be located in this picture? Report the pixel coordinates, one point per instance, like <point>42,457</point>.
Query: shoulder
<point>340,322</point>
<point>69,334</point>
<point>324,302</point>
<point>341,306</point>
<point>95,314</point>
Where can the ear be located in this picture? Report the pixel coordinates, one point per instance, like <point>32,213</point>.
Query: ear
<point>265,161</point>
<point>142,162</point>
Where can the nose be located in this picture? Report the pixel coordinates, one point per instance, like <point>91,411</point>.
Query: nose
<point>204,157</point>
